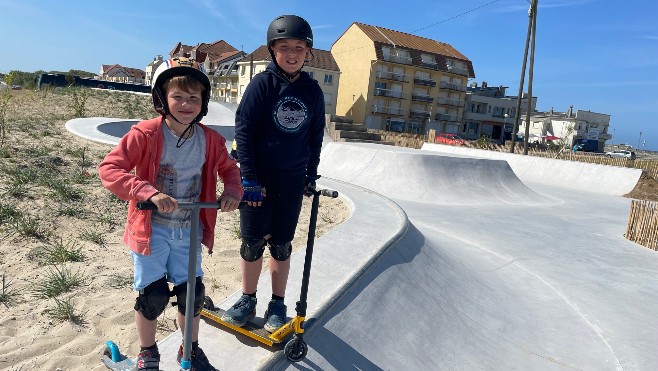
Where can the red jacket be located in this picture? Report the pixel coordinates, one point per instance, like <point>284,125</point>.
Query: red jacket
<point>140,149</point>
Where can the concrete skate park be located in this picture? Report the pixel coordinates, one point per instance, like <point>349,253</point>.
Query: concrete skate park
<point>457,259</point>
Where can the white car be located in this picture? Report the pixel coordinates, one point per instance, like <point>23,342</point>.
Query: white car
<point>622,153</point>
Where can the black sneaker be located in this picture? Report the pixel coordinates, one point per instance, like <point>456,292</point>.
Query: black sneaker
<point>147,361</point>
<point>199,360</point>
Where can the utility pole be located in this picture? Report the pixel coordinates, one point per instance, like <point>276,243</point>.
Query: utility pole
<point>532,65</point>
<point>531,16</point>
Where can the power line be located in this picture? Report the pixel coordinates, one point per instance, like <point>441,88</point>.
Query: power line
<point>456,16</point>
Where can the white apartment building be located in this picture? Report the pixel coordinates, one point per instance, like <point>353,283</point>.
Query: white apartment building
<point>570,127</point>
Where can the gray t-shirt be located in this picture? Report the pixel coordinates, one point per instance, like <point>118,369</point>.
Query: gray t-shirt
<point>179,175</point>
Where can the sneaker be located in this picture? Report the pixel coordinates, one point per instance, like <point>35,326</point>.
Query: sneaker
<point>147,361</point>
<point>276,315</point>
<point>241,312</point>
<point>199,360</point>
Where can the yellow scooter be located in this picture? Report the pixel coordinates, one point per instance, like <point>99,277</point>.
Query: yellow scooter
<point>295,349</point>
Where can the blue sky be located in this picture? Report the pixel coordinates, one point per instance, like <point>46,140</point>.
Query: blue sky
<point>597,55</point>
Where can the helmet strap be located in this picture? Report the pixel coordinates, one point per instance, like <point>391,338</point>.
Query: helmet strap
<point>183,137</point>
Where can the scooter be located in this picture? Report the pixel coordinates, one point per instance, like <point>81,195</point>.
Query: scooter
<point>295,349</point>
<point>112,357</point>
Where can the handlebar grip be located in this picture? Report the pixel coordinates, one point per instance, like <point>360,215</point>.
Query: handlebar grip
<point>146,205</point>
<point>329,193</point>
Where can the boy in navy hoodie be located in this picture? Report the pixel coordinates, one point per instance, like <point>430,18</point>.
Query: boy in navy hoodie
<point>279,126</point>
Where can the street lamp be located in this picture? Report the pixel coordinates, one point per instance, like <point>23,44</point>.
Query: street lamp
<point>504,128</point>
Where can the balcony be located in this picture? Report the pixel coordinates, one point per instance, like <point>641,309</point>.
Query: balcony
<point>397,111</point>
<point>458,70</point>
<point>450,102</point>
<point>389,93</point>
<point>392,76</point>
<point>426,82</point>
<point>418,113</point>
<point>452,86</point>
<point>447,117</point>
<point>422,98</point>
<point>429,65</point>
<point>397,59</point>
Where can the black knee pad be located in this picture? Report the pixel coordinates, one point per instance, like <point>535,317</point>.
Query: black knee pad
<point>153,299</point>
<point>199,295</point>
<point>252,249</point>
<point>280,251</point>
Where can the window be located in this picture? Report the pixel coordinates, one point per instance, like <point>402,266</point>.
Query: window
<point>312,74</point>
<point>328,99</point>
<point>328,79</point>
<point>427,58</point>
<point>242,69</point>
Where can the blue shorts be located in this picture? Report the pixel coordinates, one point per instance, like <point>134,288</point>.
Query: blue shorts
<point>169,257</point>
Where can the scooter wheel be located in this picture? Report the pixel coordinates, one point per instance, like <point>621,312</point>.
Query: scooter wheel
<point>295,349</point>
<point>208,304</point>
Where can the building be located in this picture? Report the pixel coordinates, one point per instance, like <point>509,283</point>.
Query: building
<point>224,78</point>
<point>570,127</point>
<point>118,73</point>
<point>151,67</point>
<point>490,113</point>
<point>209,55</point>
<point>396,81</point>
<point>322,67</point>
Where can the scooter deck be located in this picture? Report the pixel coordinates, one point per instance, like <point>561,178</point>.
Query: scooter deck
<point>250,329</point>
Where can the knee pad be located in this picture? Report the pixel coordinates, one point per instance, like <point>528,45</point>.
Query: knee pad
<point>280,251</point>
<point>252,249</point>
<point>199,296</point>
<point>153,299</point>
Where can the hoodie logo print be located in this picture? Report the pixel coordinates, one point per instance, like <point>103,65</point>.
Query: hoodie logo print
<point>289,114</point>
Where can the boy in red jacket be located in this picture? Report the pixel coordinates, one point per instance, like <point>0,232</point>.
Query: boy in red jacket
<point>174,158</point>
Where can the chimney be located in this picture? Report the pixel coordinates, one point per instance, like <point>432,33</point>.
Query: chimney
<point>484,84</point>
<point>570,111</point>
<point>474,84</point>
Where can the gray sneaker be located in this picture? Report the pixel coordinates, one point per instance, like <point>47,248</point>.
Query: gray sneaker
<point>241,312</point>
<point>276,315</point>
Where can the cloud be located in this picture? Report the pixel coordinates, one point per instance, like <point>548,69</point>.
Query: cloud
<point>650,37</point>
<point>210,7</point>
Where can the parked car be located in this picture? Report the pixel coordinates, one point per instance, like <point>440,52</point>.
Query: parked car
<point>447,138</point>
<point>622,153</point>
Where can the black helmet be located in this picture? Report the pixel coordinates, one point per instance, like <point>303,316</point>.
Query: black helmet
<point>179,66</point>
<point>289,27</point>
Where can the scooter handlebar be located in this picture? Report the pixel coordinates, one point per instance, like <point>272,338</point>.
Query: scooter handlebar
<point>148,205</point>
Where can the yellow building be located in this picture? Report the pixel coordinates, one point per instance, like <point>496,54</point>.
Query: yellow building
<point>396,81</point>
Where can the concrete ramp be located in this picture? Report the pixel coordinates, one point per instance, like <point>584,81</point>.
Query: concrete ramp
<point>426,177</point>
<point>610,180</point>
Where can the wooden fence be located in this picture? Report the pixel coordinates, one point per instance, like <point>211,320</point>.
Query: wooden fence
<point>643,224</point>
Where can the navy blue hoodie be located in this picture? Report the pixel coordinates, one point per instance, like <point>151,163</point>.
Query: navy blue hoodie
<point>279,125</point>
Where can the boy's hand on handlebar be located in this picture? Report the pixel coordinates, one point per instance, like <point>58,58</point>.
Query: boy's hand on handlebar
<point>228,203</point>
<point>165,203</point>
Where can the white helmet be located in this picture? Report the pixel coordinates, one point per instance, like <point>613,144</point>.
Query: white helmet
<point>179,66</point>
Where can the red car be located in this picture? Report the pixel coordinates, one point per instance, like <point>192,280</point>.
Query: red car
<point>453,139</point>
